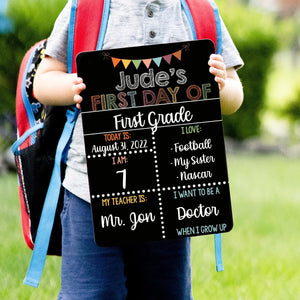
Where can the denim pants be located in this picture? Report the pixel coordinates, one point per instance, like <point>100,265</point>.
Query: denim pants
<point>142,271</point>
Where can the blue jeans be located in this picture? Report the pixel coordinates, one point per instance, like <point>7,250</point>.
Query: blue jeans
<point>143,271</point>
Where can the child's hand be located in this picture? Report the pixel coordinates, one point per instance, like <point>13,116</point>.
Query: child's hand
<point>77,88</point>
<point>218,68</point>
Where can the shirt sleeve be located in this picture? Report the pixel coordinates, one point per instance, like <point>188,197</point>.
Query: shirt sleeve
<point>230,53</point>
<point>57,44</point>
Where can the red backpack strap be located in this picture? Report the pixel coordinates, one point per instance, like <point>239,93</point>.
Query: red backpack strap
<point>205,21</point>
<point>88,22</point>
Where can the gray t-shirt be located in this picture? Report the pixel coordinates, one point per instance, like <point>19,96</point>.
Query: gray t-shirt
<point>131,23</point>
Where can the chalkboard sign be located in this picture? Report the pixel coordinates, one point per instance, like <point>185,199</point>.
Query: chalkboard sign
<point>154,143</point>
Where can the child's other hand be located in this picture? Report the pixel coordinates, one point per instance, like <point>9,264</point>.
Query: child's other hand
<point>218,69</point>
<point>77,88</point>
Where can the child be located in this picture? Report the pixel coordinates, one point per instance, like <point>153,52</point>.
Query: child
<point>151,270</point>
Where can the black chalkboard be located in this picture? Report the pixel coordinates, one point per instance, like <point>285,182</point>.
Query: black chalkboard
<point>154,143</point>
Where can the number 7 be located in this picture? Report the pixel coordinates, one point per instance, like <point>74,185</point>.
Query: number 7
<point>124,178</point>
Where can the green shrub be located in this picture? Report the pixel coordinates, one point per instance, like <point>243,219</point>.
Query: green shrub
<point>256,38</point>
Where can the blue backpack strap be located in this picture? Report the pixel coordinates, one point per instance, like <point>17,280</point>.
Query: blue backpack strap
<point>193,8</point>
<point>47,217</point>
<point>218,253</point>
<point>41,244</point>
<point>15,147</point>
<point>218,237</point>
<point>218,26</point>
<point>104,23</point>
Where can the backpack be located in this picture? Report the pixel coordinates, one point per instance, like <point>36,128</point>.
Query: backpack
<point>37,138</point>
<point>44,132</point>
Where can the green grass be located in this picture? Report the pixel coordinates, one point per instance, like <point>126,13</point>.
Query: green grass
<point>15,255</point>
<point>261,254</point>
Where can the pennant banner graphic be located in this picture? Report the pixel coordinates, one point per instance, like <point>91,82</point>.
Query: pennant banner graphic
<point>146,61</point>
